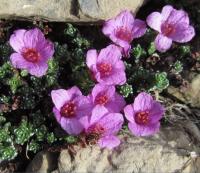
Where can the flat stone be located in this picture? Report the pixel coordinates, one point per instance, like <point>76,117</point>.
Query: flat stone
<point>66,10</point>
<point>168,151</point>
<point>171,150</point>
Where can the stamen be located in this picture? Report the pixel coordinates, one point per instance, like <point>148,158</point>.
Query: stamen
<point>101,99</point>
<point>105,69</point>
<point>124,34</point>
<point>31,55</point>
<point>167,29</point>
<point>142,117</point>
<point>68,110</point>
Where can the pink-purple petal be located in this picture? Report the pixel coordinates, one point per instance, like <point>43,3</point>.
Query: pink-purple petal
<point>109,142</point>
<point>37,69</point>
<point>111,54</point>
<point>139,28</point>
<point>97,113</point>
<point>57,114</point>
<point>16,40</point>
<point>143,102</point>
<point>18,61</point>
<point>100,89</point>
<point>84,106</point>
<point>126,51</point>
<point>166,11</point>
<point>46,50</point>
<point>91,57</point>
<point>85,121</point>
<point>71,125</point>
<point>116,104</point>
<point>59,97</point>
<point>112,122</point>
<point>125,18</point>
<point>154,20</point>
<point>118,77</point>
<point>178,16</point>
<point>162,43</point>
<point>122,43</point>
<point>140,130</point>
<point>108,27</point>
<point>183,33</point>
<point>33,37</point>
<point>156,112</point>
<point>74,92</point>
<point>129,113</point>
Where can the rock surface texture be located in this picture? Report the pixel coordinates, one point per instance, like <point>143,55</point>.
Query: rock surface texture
<point>191,95</point>
<point>169,152</point>
<point>43,162</point>
<point>66,10</point>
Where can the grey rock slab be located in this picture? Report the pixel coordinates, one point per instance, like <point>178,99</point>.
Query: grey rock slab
<point>172,150</point>
<point>168,151</point>
<point>66,10</point>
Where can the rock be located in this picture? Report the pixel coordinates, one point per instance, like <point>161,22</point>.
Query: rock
<point>169,151</point>
<point>191,95</point>
<point>66,10</point>
<point>43,162</point>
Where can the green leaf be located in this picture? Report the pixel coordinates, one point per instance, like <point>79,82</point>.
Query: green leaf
<point>51,138</point>
<point>4,135</point>
<point>7,152</point>
<point>161,81</point>
<point>126,90</point>
<point>14,83</point>
<point>52,66</point>
<point>34,146</point>
<point>24,73</point>
<point>41,133</point>
<point>37,119</point>
<point>23,132</point>
<point>178,67</point>
<point>2,119</point>
<point>5,69</point>
<point>4,99</point>
<point>71,139</point>
<point>137,52</point>
<point>184,50</point>
<point>151,48</point>
<point>70,30</point>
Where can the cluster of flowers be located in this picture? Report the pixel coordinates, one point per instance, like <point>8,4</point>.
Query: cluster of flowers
<point>98,115</point>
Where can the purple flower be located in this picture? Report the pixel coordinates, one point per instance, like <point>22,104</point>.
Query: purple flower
<point>172,25</point>
<point>70,107</point>
<point>123,29</point>
<point>107,67</point>
<point>144,115</point>
<point>107,96</point>
<point>102,127</point>
<point>32,51</point>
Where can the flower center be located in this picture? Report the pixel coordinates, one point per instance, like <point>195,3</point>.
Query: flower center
<point>31,55</point>
<point>68,110</point>
<point>105,69</point>
<point>101,99</point>
<point>167,29</point>
<point>142,117</point>
<point>124,34</point>
<point>94,133</point>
